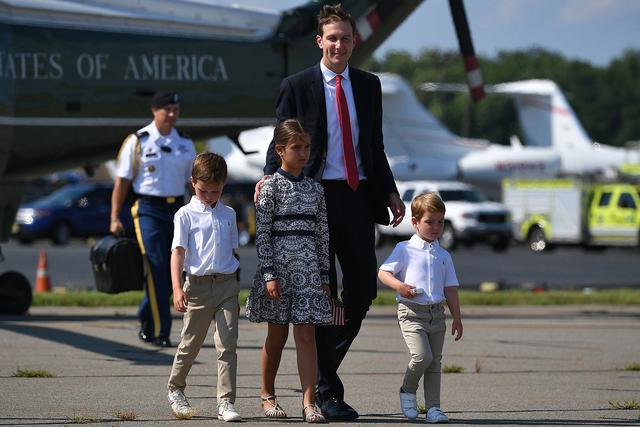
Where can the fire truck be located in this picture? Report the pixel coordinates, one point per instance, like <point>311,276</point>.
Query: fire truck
<point>550,212</point>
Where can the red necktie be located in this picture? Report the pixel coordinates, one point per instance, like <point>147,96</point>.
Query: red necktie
<point>350,167</point>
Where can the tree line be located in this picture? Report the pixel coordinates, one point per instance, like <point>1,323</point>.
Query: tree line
<point>605,99</point>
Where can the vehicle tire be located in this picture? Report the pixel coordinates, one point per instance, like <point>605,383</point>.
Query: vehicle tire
<point>448,240</point>
<point>500,245</point>
<point>15,293</point>
<point>24,239</point>
<point>61,233</point>
<point>537,240</point>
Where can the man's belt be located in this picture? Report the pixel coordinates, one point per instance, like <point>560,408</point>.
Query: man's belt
<point>159,199</point>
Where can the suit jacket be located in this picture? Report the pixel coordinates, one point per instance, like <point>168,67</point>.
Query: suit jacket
<point>302,97</point>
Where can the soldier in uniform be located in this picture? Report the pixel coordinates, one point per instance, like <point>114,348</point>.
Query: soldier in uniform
<point>157,161</point>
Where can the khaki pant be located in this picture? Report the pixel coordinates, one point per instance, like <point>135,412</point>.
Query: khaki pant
<point>210,298</point>
<point>423,328</point>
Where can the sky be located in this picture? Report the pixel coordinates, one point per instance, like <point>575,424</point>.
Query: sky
<point>595,31</point>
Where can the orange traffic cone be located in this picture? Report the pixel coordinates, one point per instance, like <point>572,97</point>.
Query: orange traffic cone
<point>43,284</point>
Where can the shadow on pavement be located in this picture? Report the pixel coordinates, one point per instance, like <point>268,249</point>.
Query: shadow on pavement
<point>547,422</point>
<point>94,344</point>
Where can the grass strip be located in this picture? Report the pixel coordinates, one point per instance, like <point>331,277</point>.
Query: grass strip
<point>32,373</point>
<point>499,298</point>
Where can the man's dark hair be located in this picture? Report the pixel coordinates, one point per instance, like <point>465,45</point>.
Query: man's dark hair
<point>334,13</point>
<point>209,167</point>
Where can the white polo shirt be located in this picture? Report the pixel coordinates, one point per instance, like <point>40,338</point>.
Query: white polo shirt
<point>162,165</point>
<point>208,236</point>
<point>424,265</point>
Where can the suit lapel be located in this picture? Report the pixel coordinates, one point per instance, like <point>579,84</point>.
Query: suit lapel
<point>359,99</point>
<point>317,88</point>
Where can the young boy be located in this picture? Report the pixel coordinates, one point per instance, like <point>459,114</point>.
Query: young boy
<point>423,275</point>
<point>203,242</point>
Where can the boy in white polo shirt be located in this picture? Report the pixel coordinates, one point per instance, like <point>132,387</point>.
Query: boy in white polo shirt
<point>205,235</point>
<point>422,273</point>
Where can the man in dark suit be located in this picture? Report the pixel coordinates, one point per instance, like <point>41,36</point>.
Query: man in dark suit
<point>341,107</point>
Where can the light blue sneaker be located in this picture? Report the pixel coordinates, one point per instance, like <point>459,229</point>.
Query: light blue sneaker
<point>436,416</point>
<point>408,404</point>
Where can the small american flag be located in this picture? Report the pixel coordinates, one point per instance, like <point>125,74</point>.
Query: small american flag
<point>337,312</point>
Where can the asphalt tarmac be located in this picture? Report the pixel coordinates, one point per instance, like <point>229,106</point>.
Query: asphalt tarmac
<point>523,366</point>
<point>564,268</point>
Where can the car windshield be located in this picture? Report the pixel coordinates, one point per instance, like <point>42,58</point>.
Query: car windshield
<point>62,197</point>
<point>471,196</point>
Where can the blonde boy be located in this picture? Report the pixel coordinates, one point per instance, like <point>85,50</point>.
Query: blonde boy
<point>423,276</point>
<point>203,242</point>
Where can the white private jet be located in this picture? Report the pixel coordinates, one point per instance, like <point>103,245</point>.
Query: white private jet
<point>557,144</point>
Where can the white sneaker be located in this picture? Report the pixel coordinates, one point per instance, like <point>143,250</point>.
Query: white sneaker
<point>180,404</point>
<point>227,412</point>
<point>436,416</point>
<point>409,405</point>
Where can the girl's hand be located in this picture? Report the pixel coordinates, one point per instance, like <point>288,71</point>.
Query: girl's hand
<point>327,290</point>
<point>272,289</point>
<point>407,291</point>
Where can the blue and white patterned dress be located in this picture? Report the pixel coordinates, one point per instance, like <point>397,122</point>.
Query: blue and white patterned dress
<point>292,241</point>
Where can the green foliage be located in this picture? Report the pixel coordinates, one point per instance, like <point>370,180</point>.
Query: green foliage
<point>606,99</point>
<point>87,299</point>
<point>509,297</point>
<point>452,369</point>
<point>98,299</point>
<point>33,373</point>
<point>519,297</point>
<point>126,415</point>
<point>627,404</point>
<point>635,366</point>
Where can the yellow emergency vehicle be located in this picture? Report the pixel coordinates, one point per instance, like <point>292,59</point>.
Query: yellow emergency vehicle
<point>548,212</point>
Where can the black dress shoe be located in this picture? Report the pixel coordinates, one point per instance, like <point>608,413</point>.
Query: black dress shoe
<point>162,342</point>
<point>145,336</point>
<point>337,410</point>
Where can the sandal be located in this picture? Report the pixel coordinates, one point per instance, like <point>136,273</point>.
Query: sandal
<point>313,416</point>
<point>274,410</point>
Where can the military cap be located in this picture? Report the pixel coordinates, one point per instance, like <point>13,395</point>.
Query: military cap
<point>160,99</point>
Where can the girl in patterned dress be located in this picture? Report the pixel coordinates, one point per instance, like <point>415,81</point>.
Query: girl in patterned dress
<point>292,281</point>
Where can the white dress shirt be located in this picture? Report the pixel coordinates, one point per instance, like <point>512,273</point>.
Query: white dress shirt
<point>424,265</point>
<point>334,167</point>
<point>208,235</point>
<point>156,171</point>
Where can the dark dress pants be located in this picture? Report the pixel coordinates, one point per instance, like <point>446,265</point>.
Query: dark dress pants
<point>153,220</point>
<point>351,229</point>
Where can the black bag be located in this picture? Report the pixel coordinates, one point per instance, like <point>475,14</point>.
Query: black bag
<point>117,265</point>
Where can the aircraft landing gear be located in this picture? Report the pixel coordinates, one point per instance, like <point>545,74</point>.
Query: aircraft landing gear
<point>15,292</point>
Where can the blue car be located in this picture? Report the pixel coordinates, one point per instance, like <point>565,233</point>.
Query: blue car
<point>75,210</point>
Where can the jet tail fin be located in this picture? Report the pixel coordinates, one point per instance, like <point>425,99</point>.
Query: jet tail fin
<point>545,116</point>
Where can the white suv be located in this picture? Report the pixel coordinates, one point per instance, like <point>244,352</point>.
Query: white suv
<point>469,217</point>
